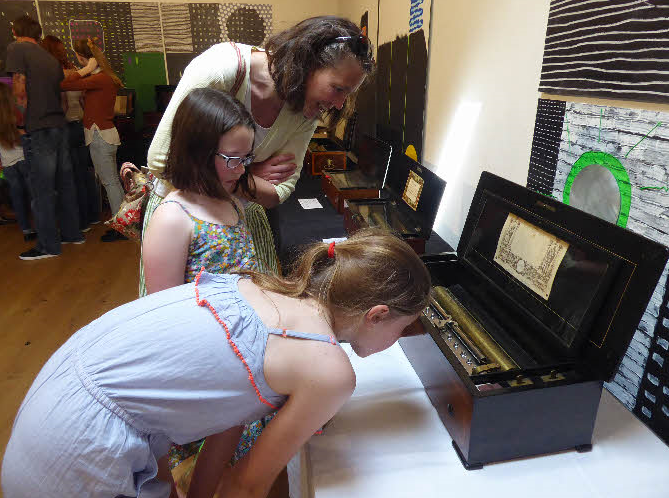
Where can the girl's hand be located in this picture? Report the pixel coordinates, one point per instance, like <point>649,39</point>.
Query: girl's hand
<point>90,67</point>
<point>92,64</point>
<point>276,169</point>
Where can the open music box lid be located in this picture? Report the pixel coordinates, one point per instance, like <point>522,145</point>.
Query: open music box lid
<point>580,283</point>
<point>373,160</point>
<point>415,190</point>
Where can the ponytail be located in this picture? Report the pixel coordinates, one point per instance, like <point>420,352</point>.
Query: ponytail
<point>372,267</point>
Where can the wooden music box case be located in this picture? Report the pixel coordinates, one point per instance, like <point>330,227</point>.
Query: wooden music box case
<point>409,201</point>
<point>324,154</point>
<point>366,181</point>
<point>527,321</point>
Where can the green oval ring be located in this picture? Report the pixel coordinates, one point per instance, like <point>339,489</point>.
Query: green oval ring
<point>617,170</point>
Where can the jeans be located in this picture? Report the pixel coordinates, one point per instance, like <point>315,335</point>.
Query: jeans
<point>88,197</point>
<point>53,189</point>
<point>18,177</point>
<point>104,162</point>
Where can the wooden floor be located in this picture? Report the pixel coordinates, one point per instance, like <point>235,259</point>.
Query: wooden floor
<point>43,302</point>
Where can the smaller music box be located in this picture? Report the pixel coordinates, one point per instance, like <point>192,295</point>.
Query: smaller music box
<point>324,154</point>
<point>409,201</point>
<point>365,181</point>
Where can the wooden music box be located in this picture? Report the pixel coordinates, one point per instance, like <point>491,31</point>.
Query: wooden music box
<point>324,154</point>
<point>363,182</point>
<point>409,201</point>
<point>527,320</point>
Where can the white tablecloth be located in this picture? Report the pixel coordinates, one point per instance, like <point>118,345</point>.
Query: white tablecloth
<point>388,442</point>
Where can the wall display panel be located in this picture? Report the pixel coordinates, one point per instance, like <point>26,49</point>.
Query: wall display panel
<point>245,23</point>
<point>176,65</point>
<point>70,21</point>
<point>146,27</point>
<point>205,25</point>
<point>143,71</point>
<point>401,85</point>
<point>182,29</point>
<point>611,162</point>
<point>614,49</point>
<point>416,91</point>
<point>10,10</point>
<point>176,27</point>
<point>546,145</point>
<point>401,76</point>
<point>398,89</point>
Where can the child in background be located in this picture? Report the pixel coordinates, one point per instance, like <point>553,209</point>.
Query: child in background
<point>15,167</point>
<point>204,358</point>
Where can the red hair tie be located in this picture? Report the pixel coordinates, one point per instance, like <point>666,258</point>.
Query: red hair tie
<point>331,250</point>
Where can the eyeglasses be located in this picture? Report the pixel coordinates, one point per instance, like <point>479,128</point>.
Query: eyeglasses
<point>232,162</point>
<point>359,45</point>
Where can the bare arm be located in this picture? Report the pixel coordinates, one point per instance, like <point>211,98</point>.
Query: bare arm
<point>317,393</point>
<point>19,89</point>
<point>89,68</point>
<point>165,248</point>
<point>297,145</point>
<point>63,102</point>
<point>165,475</point>
<point>266,194</point>
<point>213,461</point>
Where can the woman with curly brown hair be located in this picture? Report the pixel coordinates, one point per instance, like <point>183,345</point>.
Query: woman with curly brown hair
<point>309,71</point>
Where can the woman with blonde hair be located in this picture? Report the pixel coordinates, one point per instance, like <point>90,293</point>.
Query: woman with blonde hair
<point>101,85</point>
<point>200,360</point>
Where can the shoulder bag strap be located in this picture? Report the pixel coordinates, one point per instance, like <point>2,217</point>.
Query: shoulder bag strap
<point>241,71</point>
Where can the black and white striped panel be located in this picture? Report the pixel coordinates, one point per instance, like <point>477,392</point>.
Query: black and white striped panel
<point>146,26</point>
<point>607,48</point>
<point>545,145</point>
<point>176,27</point>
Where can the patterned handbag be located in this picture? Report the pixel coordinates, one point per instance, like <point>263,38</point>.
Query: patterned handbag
<point>130,216</point>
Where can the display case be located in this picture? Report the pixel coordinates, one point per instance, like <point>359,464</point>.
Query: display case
<point>527,321</point>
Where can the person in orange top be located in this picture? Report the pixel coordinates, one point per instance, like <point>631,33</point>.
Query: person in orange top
<point>101,85</point>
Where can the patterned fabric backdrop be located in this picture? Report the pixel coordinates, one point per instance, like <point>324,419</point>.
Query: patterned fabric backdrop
<point>180,31</point>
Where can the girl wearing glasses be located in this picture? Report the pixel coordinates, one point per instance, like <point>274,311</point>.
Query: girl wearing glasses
<point>201,222</point>
<point>307,72</point>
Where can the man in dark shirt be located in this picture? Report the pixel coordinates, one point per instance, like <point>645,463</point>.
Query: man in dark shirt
<point>36,77</point>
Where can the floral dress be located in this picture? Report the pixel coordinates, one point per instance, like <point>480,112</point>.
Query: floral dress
<point>219,249</point>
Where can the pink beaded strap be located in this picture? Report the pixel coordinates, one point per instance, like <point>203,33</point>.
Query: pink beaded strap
<point>205,303</point>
